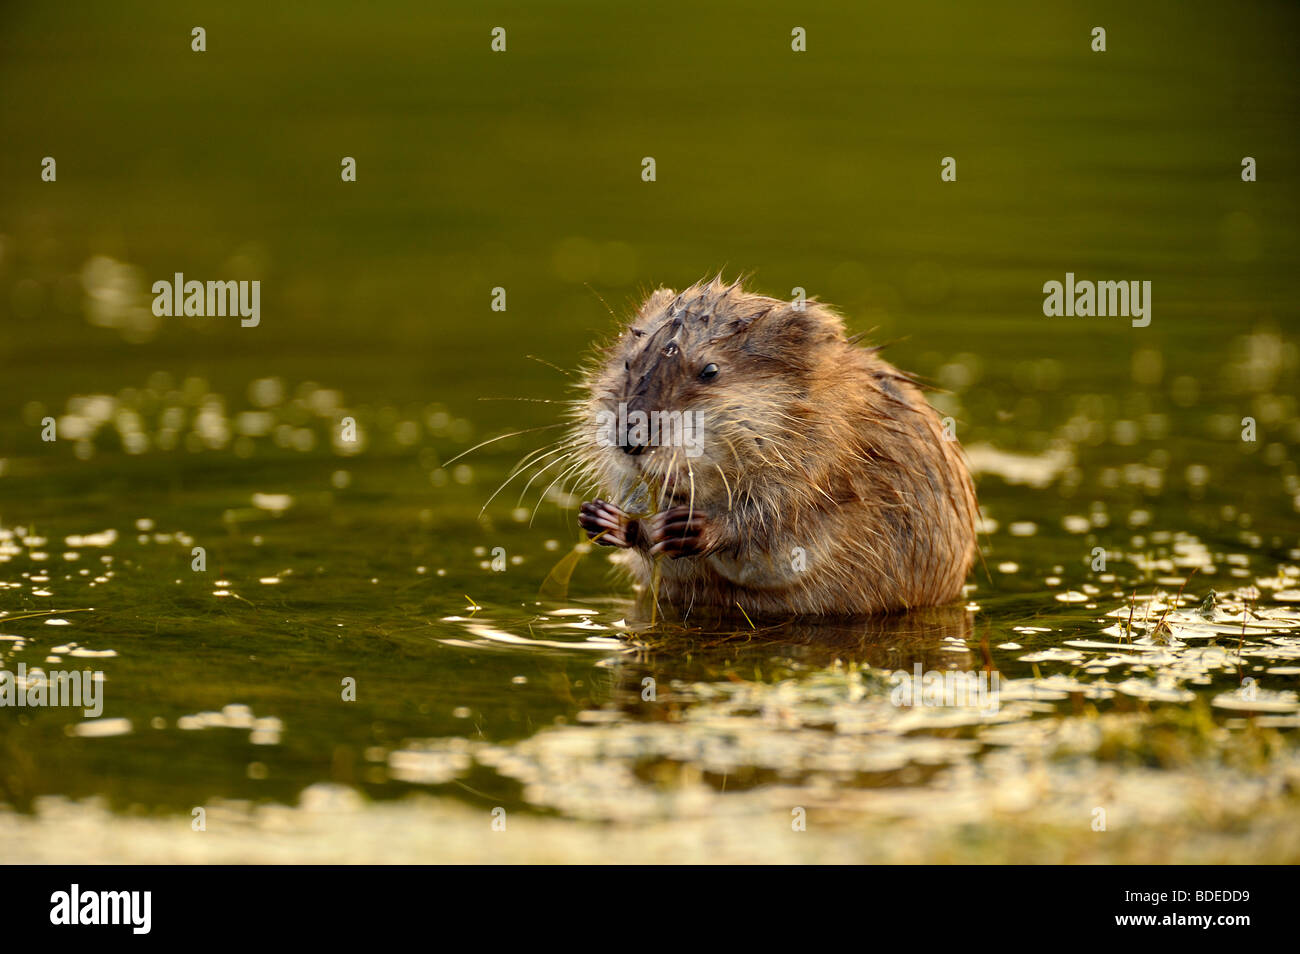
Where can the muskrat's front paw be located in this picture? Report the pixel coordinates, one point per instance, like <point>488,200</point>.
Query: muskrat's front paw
<point>607,525</point>
<point>679,532</point>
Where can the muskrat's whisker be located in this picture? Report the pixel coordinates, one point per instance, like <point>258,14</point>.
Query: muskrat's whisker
<point>533,456</point>
<point>663,484</point>
<point>500,487</point>
<point>564,441</point>
<point>732,447</point>
<point>541,470</point>
<point>528,460</point>
<point>802,422</point>
<point>511,477</point>
<point>528,399</point>
<point>726,483</point>
<point>690,473</point>
<point>501,437</point>
<point>537,453</point>
<point>601,300</point>
<point>555,367</point>
<point>582,477</point>
<point>543,494</point>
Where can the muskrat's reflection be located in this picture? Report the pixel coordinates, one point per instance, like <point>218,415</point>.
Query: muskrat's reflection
<point>933,637</point>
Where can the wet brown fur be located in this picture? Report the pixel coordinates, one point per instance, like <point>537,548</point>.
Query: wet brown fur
<point>809,441</point>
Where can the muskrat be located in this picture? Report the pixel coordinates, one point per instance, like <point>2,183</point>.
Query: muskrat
<point>801,474</point>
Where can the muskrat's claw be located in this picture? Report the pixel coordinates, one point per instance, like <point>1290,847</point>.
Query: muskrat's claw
<point>607,525</point>
<point>679,532</point>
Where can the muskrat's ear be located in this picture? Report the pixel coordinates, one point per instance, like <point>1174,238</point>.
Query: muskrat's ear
<point>797,324</point>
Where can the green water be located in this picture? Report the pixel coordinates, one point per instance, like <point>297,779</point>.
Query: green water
<point>523,170</point>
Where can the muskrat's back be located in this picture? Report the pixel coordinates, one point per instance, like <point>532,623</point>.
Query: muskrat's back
<point>761,460</point>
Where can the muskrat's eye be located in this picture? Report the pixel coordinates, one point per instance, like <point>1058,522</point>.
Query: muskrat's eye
<point>710,371</point>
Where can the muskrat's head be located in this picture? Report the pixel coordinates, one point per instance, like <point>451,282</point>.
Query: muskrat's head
<point>701,393</point>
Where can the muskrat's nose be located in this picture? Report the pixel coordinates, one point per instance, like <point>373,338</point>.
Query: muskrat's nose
<point>632,449</point>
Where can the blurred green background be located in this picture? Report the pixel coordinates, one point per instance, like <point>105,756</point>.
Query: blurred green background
<point>522,169</point>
